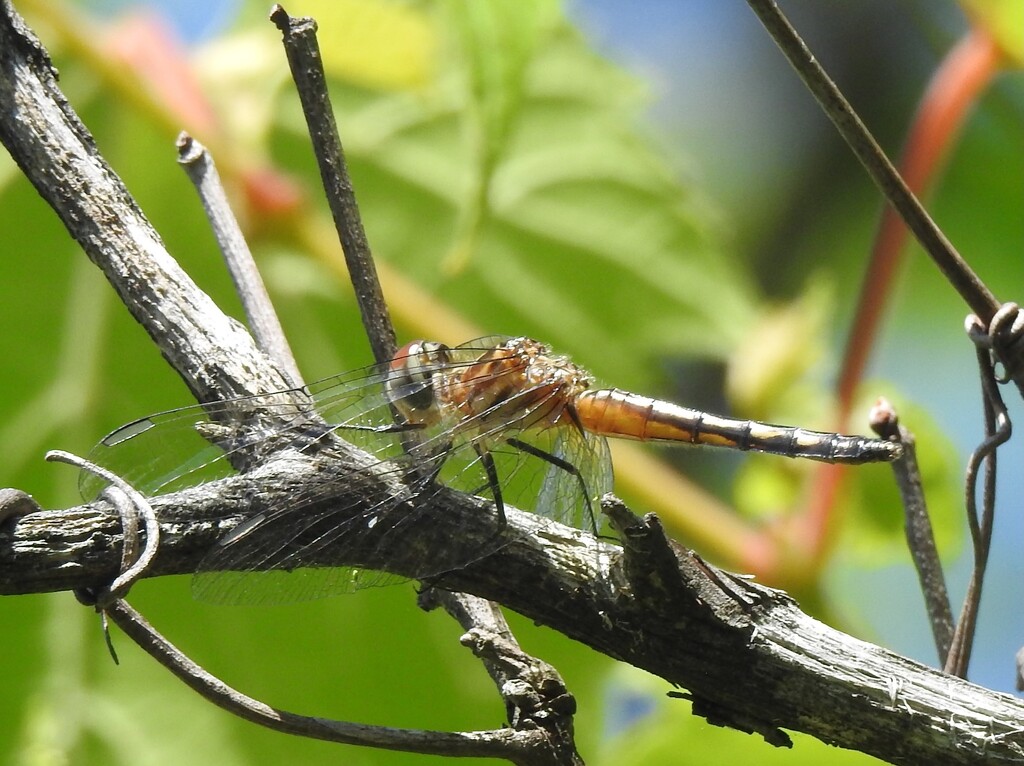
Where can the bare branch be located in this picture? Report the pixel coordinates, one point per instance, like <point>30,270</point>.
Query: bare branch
<point>198,165</point>
<point>536,697</point>
<point>303,51</point>
<point>917,526</point>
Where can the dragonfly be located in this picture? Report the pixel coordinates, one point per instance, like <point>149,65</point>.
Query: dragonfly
<point>500,416</point>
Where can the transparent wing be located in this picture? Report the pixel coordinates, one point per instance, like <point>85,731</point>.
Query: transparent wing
<point>258,562</point>
<point>264,560</point>
<point>272,559</point>
<point>573,497</point>
<point>559,471</point>
<point>189,446</point>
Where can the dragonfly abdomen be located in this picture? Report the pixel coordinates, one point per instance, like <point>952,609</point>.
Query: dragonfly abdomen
<point>611,412</point>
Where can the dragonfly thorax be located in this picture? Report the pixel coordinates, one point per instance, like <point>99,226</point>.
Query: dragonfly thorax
<point>516,385</point>
<point>484,389</point>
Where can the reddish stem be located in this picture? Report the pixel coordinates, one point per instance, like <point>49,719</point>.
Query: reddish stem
<point>954,89</point>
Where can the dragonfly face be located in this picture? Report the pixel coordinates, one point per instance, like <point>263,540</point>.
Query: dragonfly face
<point>410,380</point>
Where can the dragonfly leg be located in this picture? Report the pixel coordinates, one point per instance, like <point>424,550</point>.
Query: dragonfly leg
<point>564,465</point>
<point>436,462</point>
<point>487,461</point>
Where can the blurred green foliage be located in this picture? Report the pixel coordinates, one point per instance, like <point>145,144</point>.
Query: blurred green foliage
<point>501,168</point>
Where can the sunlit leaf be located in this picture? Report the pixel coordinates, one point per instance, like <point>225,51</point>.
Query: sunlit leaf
<point>1004,20</point>
<point>386,44</point>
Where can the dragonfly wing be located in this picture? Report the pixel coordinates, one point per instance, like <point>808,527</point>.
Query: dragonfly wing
<point>189,446</point>
<point>284,556</point>
<point>169,451</point>
<point>267,559</point>
<point>553,468</point>
<point>573,497</point>
<point>260,561</point>
<point>532,471</point>
<point>272,558</point>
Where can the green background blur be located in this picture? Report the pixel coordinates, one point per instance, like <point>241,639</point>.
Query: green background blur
<point>647,191</point>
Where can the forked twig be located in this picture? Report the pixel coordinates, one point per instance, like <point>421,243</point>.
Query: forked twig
<point>499,743</point>
<point>1002,327</point>
<point>918,527</point>
<point>535,694</point>
<point>266,327</point>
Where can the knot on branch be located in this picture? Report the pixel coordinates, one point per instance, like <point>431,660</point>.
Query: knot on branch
<point>1003,338</point>
<point>660,570</point>
<point>535,695</point>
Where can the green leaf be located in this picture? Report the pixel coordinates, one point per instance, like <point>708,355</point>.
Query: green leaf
<point>518,192</point>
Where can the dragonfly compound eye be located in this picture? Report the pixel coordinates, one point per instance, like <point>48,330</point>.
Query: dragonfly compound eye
<point>410,380</point>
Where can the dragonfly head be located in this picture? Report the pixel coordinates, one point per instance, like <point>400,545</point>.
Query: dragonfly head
<point>410,380</point>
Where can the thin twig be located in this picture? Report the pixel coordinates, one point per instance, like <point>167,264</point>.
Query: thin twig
<point>527,743</point>
<point>855,133</point>
<point>303,53</point>
<point>998,430</point>
<point>482,744</point>
<point>266,327</point>
<point>954,89</point>
<point>918,527</point>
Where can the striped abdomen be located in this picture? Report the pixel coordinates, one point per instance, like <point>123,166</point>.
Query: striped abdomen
<point>611,412</point>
